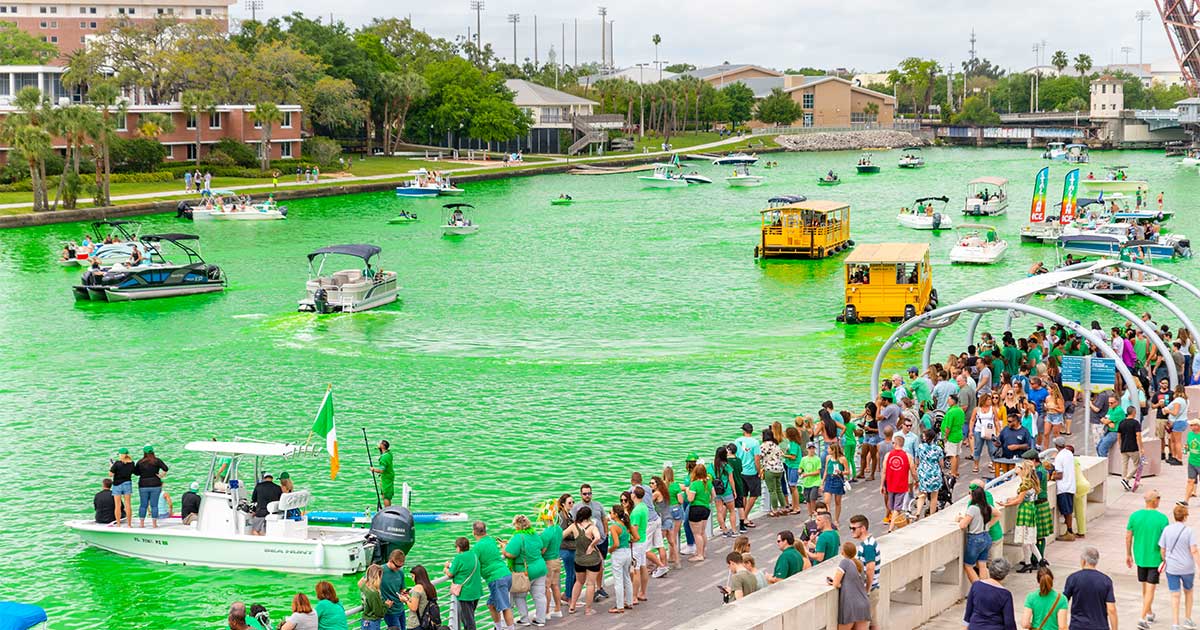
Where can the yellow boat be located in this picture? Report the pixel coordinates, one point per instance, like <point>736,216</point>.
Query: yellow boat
<point>804,229</point>
<point>888,282</point>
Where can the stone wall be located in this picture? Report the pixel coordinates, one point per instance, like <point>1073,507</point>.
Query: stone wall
<point>849,140</point>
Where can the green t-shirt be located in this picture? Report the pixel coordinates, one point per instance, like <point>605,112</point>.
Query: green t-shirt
<point>810,464</point>
<point>1012,359</point>
<point>952,424</point>
<point>387,478</point>
<point>1035,355</point>
<point>790,563</point>
<point>551,541</point>
<point>743,581</point>
<point>491,564</point>
<point>920,388</point>
<point>996,531</point>
<point>703,490</point>
<point>793,449</point>
<point>674,489</point>
<point>1056,353</point>
<point>1140,348</point>
<point>723,482</point>
<point>330,616</point>
<point>735,465</point>
<point>639,518</point>
<point>830,543</point>
<point>1115,416</point>
<point>390,586</point>
<point>464,569</point>
<point>849,440</point>
<point>1193,446</point>
<point>527,547</point>
<point>1147,526</point>
<point>1045,607</point>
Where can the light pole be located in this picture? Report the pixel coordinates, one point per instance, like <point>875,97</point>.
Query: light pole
<point>603,11</point>
<point>477,7</point>
<point>1033,79</point>
<point>514,18</point>
<point>641,102</point>
<point>1127,50</point>
<point>255,6</point>
<point>1141,17</point>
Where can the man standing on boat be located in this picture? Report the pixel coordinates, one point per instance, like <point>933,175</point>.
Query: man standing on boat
<point>386,472</point>
<point>264,493</point>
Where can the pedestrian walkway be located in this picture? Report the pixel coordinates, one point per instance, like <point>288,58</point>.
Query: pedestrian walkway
<point>1107,534</point>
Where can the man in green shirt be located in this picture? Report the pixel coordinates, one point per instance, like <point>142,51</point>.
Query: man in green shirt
<point>464,570</point>
<point>828,543</point>
<point>741,581</point>
<point>790,560</point>
<point>810,478</point>
<point>1012,356</point>
<point>387,474</point>
<point>1193,462</point>
<point>495,573</point>
<point>952,432</point>
<point>391,585</point>
<point>1141,548</point>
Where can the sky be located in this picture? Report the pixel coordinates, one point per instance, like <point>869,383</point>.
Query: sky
<point>865,35</point>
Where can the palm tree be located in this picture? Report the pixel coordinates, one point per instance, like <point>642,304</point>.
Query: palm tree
<point>104,97</point>
<point>153,124</point>
<point>266,115</point>
<point>871,110</point>
<point>72,124</point>
<point>399,92</point>
<point>1083,63</point>
<point>26,132</point>
<point>657,40</point>
<point>196,103</point>
<point>1059,60</point>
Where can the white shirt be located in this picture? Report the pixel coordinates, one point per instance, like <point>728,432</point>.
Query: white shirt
<point>1064,463</point>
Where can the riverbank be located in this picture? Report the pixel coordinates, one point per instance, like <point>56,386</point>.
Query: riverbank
<point>849,140</point>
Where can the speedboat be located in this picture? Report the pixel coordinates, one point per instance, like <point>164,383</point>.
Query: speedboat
<point>220,537</point>
<point>404,217</point>
<point>265,211</point>
<point>1055,151</point>
<point>1110,239</point>
<point>662,178</point>
<point>418,188</point>
<point>695,178</point>
<point>1077,154</point>
<point>865,165</point>
<point>445,187</point>
<point>742,178</point>
<point>1108,186</point>
<point>1049,230</point>
<point>911,157</point>
<point>349,290</point>
<point>116,247</point>
<point>977,244</point>
<point>456,222</point>
<point>1192,158</point>
<point>926,215</point>
<point>160,278</point>
<point>986,196</point>
<point>735,159</point>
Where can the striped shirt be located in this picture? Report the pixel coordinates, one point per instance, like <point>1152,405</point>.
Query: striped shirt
<point>868,551</point>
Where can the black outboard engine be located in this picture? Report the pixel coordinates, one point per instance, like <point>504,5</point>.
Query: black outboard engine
<point>1184,247</point>
<point>183,210</point>
<point>283,210</point>
<point>321,301</point>
<point>937,220</point>
<point>391,529</point>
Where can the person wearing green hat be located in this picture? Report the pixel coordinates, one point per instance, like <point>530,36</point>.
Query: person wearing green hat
<point>189,504</point>
<point>149,470</point>
<point>386,472</point>
<point>121,472</point>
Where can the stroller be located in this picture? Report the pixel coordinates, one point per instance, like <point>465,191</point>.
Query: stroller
<point>945,496</point>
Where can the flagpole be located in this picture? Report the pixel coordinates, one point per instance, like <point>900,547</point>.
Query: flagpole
<point>374,480</point>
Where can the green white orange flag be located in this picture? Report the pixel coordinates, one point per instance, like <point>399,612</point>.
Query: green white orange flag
<point>323,426</point>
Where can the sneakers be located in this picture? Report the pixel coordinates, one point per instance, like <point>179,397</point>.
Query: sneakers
<point>1150,617</point>
<point>523,622</point>
<point>687,550</point>
<point>1125,483</point>
<point>1189,624</point>
<point>538,624</point>
<point>555,615</point>
<point>659,572</point>
<point>1144,624</point>
<point>1174,462</point>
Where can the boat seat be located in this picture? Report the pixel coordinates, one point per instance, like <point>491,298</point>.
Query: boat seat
<point>289,501</point>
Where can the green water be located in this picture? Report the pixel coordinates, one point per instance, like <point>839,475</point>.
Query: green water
<point>557,345</point>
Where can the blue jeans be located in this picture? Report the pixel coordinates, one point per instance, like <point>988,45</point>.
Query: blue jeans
<point>148,497</point>
<point>394,620</point>
<point>369,624</point>
<point>1106,443</point>
<point>568,568</point>
<point>980,444</point>
<point>687,531</point>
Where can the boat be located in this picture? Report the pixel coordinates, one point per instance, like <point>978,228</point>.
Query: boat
<point>404,217</point>
<point>887,282</point>
<point>696,178</point>
<point>865,165</point>
<point>1107,288</point>
<point>1107,186</point>
<point>1191,157</point>
<point>977,244</point>
<point>456,221</point>
<point>1049,230</point>
<point>662,178</point>
<point>830,179</point>
<point>1109,239</point>
<point>1176,148</point>
<point>742,178</point>
<point>986,196</point>
<point>795,227</point>
<point>158,279</point>
<point>445,187</point>
<point>219,536</point>
<point>735,159</point>
<point>18,616</point>
<point>330,517</point>
<point>926,215</point>
<point>911,157</point>
<point>565,200</point>
<point>1077,154</point>
<point>348,290</point>
<point>116,247</point>
<point>415,189</point>
<point>1055,151</point>
<point>241,211</point>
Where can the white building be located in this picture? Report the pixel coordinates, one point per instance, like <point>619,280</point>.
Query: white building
<point>1107,97</point>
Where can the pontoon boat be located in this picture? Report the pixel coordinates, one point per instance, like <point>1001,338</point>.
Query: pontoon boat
<point>160,278</point>
<point>456,222</point>
<point>121,240</point>
<point>977,244</point>
<point>349,290</point>
<point>986,196</point>
<point>925,214</point>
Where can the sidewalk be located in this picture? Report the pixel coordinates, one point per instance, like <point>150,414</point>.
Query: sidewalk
<point>1106,533</point>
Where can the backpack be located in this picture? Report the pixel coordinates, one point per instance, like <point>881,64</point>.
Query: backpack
<point>431,617</point>
<point>719,482</point>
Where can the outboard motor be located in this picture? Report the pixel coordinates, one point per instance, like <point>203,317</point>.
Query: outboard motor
<point>183,210</point>
<point>283,210</point>
<point>214,272</point>
<point>321,301</point>
<point>937,220</point>
<point>391,529</point>
<point>1184,247</point>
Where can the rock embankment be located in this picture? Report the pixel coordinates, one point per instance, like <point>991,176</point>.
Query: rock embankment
<point>849,140</point>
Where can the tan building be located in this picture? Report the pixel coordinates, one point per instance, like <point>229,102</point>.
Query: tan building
<point>722,75</point>
<point>1107,97</point>
<point>835,102</point>
<point>69,24</point>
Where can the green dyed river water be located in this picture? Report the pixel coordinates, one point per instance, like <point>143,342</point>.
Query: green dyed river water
<point>557,345</point>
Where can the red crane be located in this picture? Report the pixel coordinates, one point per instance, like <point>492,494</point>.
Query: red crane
<point>1179,18</point>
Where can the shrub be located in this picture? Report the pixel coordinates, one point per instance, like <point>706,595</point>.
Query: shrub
<point>137,155</point>
<point>243,154</point>
<point>143,178</point>
<point>322,151</point>
<point>19,186</point>
<point>217,157</point>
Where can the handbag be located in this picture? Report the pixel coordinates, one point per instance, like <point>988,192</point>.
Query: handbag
<point>456,589</point>
<point>520,579</point>
<point>1053,607</point>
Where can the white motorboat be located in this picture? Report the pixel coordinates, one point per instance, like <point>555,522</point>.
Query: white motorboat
<point>911,157</point>
<point>735,159</point>
<point>1116,182</point>
<point>977,244</point>
<point>696,178</point>
<point>1077,154</point>
<point>1111,238</point>
<point>456,222</point>
<point>926,213</point>
<point>662,178</point>
<point>265,211</point>
<point>1191,158</point>
<point>116,247</point>
<point>154,277</point>
<point>219,536</point>
<point>1055,151</point>
<point>348,290</point>
<point>986,196</point>
<point>742,178</point>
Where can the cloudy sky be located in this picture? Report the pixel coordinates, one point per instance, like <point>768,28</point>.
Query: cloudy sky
<point>867,35</point>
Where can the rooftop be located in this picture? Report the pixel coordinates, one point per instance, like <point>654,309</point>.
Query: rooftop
<point>814,205</point>
<point>532,94</point>
<point>888,253</point>
<point>726,68</point>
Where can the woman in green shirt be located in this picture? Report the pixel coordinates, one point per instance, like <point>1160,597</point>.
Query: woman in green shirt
<point>330,613</point>
<point>373,606</point>
<point>466,584</point>
<point>850,441</point>
<point>792,452</point>
<point>1045,608</point>
<point>699,494</point>
<point>525,551</point>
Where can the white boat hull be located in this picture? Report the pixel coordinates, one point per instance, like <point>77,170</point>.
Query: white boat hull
<point>237,215</point>
<point>697,179</point>
<point>1114,185</point>
<point>1190,161</point>
<point>459,230</point>
<point>745,181</point>
<point>353,296</point>
<point>325,550</point>
<point>662,182</point>
<point>961,254</point>
<point>924,222</point>
<point>977,208</point>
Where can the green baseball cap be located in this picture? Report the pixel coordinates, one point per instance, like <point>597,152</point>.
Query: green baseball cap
<point>284,475</point>
<point>887,395</point>
<point>148,449</point>
<point>693,456</point>
<point>122,451</point>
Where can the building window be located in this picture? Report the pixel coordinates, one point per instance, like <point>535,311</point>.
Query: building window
<point>121,10</point>
<point>257,125</point>
<point>132,10</point>
<point>83,25</point>
<point>92,10</point>
<point>199,12</point>
<point>214,120</point>
<point>287,120</point>
<point>41,24</point>
<point>191,152</point>
<point>82,40</point>
<point>191,121</point>
<point>54,9</point>
<point>807,101</point>
<point>54,24</point>
<point>1103,88</point>
<point>82,10</point>
<point>43,38</point>
<point>91,25</point>
<point>42,10</point>
<point>208,12</point>
<point>285,150</point>
<point>54,39</point>
<point>121,124</point>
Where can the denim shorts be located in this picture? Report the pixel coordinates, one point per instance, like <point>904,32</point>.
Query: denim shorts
<point>725,498</point>
<point>1055,419</point>
<point>677,514</point>
<point>793,476</point>
<point>1179,426</point>
<point>122,489</point>
<point>1175,581</point>
<point>498,593</point>
<point>977,549</point>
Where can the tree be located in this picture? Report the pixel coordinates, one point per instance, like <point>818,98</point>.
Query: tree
<point>1083,63</point>
<point>25,131</point>
<point>103,95</point>
<point>399,92</point>
<point>918,76</point>
<point>458,92</point>
<point>1161,96</point>
<point>1075,104</point>
<point>20,48</point>
<point>741,102</point>
<point>778,109</point>
<point>195,104</point>
<point>976,111</point>
<point>807,71</point>
<point>1059,61</point>
<point>979,67</point>
<point>265,115</point>
<point>680,68</point>
<point>871,111</point>
<point>72,123</point>
<point>334,104</point>
<point>153,124</point>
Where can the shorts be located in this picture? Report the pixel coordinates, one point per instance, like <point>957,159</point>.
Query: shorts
<point>498,593</point>
<point>896,500</point>
<point>698,514</point>
<point>1179,426</point>
<point>872,440</point>
<point>1066,503</point>
<point>1175,581</point>
<point>388,490</point>
<point>1054,419</point>
<point>122,489</point>
<point>654,536</point>
<point>873,600</point>
<point>580,568</point>
<point>258,524</point>
<point>639,554</point>
<point>677,513</point>
<point>977,548</point>
<point>792,475</point>
<point>813,494</point>
<point>1148,575</point>
<point>725,498</point>
<point>553,570</point>
<point>951,449</point>
<point>1193,473</point>
<point>753,485</point>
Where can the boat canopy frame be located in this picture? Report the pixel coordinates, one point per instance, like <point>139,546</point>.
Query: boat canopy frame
<point>178,240</point>
<point>941,198</point>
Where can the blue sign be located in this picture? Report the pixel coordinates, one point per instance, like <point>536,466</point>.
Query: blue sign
<point>1104,374</point>
<point>1072,370</point>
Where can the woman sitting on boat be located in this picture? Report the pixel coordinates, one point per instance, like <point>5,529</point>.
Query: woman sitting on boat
<point>68,252</point>
<point>136,258</point>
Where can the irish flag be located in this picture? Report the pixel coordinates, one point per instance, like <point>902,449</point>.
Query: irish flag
<point>323,426</point>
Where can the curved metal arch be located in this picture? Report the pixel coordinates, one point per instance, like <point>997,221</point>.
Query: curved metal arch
<point>927,355</point>
<point>908,326</point>
<point>1154,271</point>
<point>1131,317</point>
<point>1137,287</point>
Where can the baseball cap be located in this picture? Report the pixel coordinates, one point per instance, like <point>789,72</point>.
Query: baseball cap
<point>284,475</point>
<point>122,451</point>
<point>149,448</point>
<point>692,457</point>
<point>812,445</point>
<point>195,486</point>
<point>268,475</point>
<point>1193,421</point>
<point>1030,454</point>
<point>913,370</point>
<point>747,427</point>
<point>1060,441</point>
